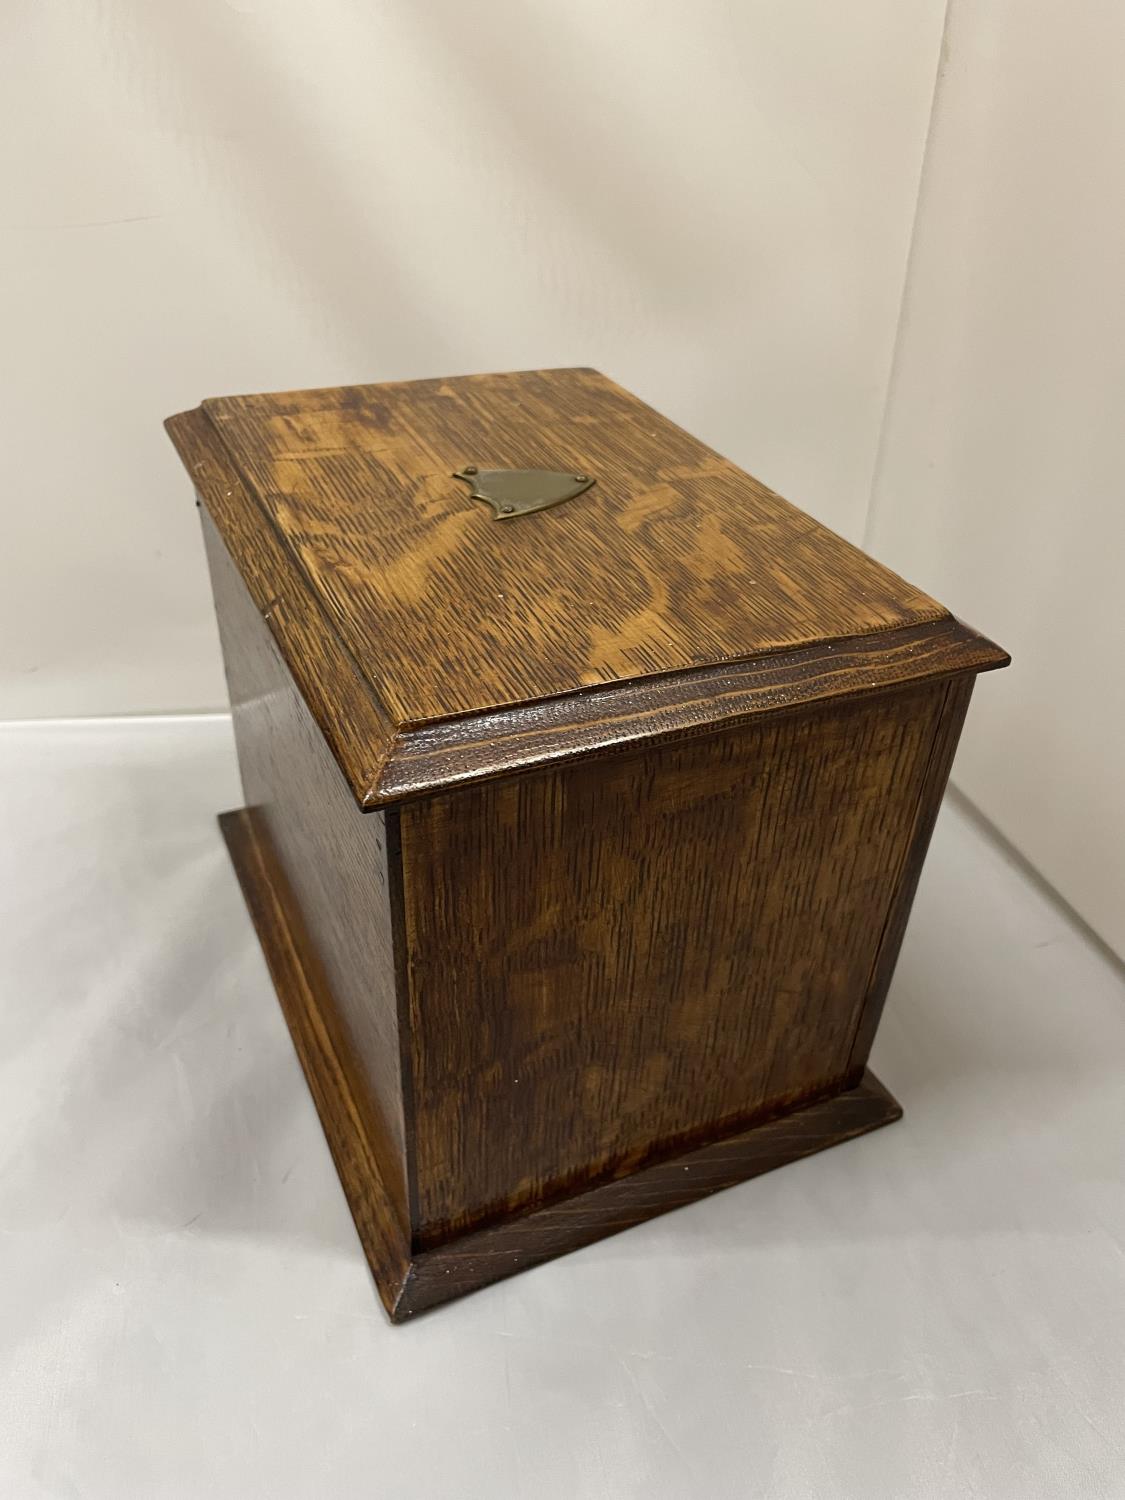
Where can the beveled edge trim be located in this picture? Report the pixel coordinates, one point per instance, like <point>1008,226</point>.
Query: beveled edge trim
<point>384,762</point>
<point>356,726</point>
<point>500,742</point>
<point>347,1116</point>
<point>410,1281</point>
<point>478,1259</point>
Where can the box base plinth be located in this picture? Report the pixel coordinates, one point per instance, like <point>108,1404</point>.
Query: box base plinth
<point>410,1280</point>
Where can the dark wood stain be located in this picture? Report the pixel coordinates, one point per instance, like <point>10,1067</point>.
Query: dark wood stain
<point>434,644</point>
<point>410,1280</point>
<point>354,728</point>
<point>334,858</point>
<point>675,559</point>
<point>337,1080</point>
<point>581,849</point>
<point>606,959</point>
<point>954,706</point>
<point>476,1260</point>
<point>479,747</point>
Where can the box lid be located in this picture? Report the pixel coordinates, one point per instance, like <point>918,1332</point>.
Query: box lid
<point>439,639</point>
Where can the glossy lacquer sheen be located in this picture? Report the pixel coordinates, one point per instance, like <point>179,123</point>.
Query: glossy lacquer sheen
<point>581,846</point>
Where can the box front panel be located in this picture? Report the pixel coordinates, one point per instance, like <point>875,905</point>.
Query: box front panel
<point>638,952</point>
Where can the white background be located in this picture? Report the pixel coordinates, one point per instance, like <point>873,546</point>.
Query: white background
<point>716,203</point>
<point>1001,484</point>
<point>712,202</point>
<point>933,1312</point>
<point>874,253</point>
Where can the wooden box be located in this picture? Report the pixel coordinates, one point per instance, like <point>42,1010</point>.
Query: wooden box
<point>582,822</point>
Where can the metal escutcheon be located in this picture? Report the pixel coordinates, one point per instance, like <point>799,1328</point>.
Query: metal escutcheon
<point>517,492</point>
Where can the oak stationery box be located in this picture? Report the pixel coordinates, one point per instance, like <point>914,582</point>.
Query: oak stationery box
<point>587,788</point>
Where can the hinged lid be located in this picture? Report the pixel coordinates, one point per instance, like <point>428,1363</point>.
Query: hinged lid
<point>655,588</point>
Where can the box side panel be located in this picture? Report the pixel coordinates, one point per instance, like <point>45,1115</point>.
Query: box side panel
<point>626,956</point>
<point>334,857</point>
<point>954,706</point>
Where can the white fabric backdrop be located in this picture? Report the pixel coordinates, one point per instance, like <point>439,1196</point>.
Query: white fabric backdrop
<point>711,201</point>
<point>1000,486</point>
<point>933,1312</point>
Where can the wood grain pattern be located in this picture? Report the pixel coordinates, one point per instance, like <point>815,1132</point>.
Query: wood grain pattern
<point>334,859</point>
<point>689,593</point>
<point>675,559</point>
<point>515,1245</point>
<point>410,1281</point>
<point>334,1072</point>
<point>482,746</point>
<point>355,729</point>
<point>615,960</point>
<point>954,706</point>
<point>644,786</point>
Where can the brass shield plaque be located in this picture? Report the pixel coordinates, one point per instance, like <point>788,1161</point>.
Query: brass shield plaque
<point>517,492</point>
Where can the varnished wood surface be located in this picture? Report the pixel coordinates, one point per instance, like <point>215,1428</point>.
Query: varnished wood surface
<point>530,1005</point>
<point>410,1281</point>
<point>625,956</point>
<point>660,709</point>
<point>334,1072</point>
<point>951,717</point>
<point>336,860</point>
<point>387,752</point>
<point>476,1260</point>
<point>675,559</point>
<point>339,699</point>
